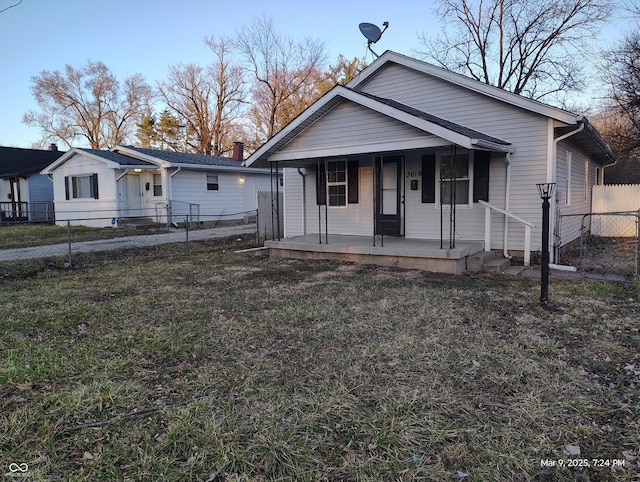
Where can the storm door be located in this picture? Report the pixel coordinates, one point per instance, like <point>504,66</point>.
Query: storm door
<point>133,195</point>
<point>388,195</point>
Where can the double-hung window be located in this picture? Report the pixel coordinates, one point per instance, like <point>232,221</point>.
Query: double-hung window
<point>81,187</point>
<point>212,182</point>
<point>459,179</point>
<point>157,184</point>
<point>454,173</point>
<point>337,182</point>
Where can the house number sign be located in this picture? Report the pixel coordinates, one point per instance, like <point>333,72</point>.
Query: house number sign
<point>411,174</point>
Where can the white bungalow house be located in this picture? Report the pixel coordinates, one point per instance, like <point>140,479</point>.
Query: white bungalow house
<point>413,165</point>
<point>106,187</point>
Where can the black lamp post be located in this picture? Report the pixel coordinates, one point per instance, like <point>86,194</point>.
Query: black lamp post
<point>545,190</point>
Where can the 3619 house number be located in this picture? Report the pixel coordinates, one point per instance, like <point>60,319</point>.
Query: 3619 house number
<point>414,173</point>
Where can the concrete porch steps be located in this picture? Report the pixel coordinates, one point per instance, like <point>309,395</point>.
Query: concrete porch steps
<point>488,262</point>
<point>138,223</point>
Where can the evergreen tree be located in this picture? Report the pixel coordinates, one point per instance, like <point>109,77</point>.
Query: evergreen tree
<point>146,130</point>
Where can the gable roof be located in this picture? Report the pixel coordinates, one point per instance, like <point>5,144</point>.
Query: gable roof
<point>130,157</point>
<point>449,131</point>
<point>18,162</point>
<point>588,137</point>
<point>181,158</point>
<point>452,126</point>
<point>112,159</point>
<point>390,57</point>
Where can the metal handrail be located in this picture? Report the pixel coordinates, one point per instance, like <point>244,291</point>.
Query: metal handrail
<point>487,229</point>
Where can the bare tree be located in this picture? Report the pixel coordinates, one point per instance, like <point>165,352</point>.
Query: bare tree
<point>230,90</point>
<point>88,103</point>
<point>281,69</point>
<point>534,48</point>
<point>206,100</point>
<point>620,120</point>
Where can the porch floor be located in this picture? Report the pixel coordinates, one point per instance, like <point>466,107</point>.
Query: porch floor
<point>401,252</point>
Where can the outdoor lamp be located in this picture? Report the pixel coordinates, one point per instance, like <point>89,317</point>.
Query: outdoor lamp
<point>545,190</point>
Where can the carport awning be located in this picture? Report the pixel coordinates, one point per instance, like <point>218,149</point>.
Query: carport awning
<point>437,131</point>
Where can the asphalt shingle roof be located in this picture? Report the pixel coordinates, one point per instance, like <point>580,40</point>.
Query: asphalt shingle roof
<point>18,162</point>
<point>119,158</point>
<point>177,158</point>
<point>452,126</point>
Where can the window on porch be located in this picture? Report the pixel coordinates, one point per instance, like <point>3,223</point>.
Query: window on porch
<point>337,183</point>
<point>463,178</point>
<point>454,172</point>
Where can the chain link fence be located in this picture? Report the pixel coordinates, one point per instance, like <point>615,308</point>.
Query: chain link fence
<point>607,243</point>
<point>61,241</point>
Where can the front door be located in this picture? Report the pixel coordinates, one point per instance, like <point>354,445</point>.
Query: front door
<point>388,195</point>
<point>133,195</point>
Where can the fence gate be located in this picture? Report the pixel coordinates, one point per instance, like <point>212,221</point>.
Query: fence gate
<point>609,243</point>
<point>270,225</point>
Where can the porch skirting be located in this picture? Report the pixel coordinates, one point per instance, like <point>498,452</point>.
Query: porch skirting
<point>423,254</point>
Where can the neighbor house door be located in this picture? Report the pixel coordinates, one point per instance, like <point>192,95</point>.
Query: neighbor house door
<point>388,195</point>
<point>132,195</point>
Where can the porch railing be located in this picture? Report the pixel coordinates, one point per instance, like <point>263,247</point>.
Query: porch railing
<point>487,229</point>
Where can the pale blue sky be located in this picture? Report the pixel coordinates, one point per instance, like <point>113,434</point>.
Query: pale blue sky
<point>148,36</point>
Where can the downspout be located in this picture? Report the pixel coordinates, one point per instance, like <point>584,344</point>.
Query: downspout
<point>507,207</point>
<point>170,190</point>
<point>170,195</point>
<point>304,202</point>
<point>552,219</point>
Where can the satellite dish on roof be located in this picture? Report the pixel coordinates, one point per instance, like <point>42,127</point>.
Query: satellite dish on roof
<point>372,33</point>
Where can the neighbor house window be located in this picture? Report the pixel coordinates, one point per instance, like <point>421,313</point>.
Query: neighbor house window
<point>157,184</point>
<point>454,173</point>
<point>337,183</point>
<point>212,182</point>
<point>81,187</point>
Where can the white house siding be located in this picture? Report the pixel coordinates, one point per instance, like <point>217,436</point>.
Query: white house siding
<point>526,131</point>
<point>423,220</point>
<point>348,125</point>
<point>294,222</point>
<point>227,203</point>
<point>577,204</point>
<point>91,212</point>
<point>355,219</point>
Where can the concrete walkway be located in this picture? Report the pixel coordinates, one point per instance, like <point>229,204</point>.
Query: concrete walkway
<point>62,249</point>
<point>554,273</point>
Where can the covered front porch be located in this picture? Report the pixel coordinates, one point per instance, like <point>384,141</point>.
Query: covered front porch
<point>423,254</point>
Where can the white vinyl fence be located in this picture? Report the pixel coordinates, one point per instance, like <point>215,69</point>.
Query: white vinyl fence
<point>615,198</point>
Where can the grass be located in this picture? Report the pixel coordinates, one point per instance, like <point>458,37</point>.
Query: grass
<point>27,234</point>
<point>216,366</point>
<point>603,255</point>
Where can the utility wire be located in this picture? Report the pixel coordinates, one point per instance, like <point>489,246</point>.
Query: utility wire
<point>11,6</point>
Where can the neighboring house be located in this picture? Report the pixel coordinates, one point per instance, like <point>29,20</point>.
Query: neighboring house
<point>101,188</point>
<point>410,151</point>
<point>25,194</point>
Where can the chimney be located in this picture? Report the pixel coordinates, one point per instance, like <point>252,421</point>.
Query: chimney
<point>238,151</point>
<point>53,147</point>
